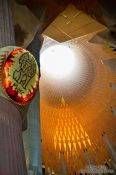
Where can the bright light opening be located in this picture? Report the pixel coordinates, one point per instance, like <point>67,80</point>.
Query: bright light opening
<point>58,61</point>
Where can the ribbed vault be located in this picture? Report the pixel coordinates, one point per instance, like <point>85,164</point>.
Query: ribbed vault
<point>71,122</point>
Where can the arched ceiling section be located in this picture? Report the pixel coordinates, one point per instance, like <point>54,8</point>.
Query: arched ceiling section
<point>72,23</point>
<point>92,113</point>
<point>54,7</point>
<point>73,119</point>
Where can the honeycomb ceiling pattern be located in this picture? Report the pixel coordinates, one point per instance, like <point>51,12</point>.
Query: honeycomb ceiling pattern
<point>80,79</point>
<point>72,127</point>
<point>74,116</point>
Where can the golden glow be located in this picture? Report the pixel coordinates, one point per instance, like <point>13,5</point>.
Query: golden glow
<point>27,155</point>
<point>63,101</point>
<point>69,133</point>
<point>78,125</point>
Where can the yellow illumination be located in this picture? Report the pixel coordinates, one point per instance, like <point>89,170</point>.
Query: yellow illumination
<point>73,138</point>
<point>65,146</point>
<point>79,144</point>
<point>84,143</point>
<point>69,132</point>
<point>74,144</point>
<point>67,135</point>
<point>69,144</point>
<point>89,142</point>
<point>63,101</point>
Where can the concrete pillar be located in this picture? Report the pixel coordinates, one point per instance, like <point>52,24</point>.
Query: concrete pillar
<point>35,158</point>
<point>6,24</point>
<point>35,162</point>
<point>12,159</point>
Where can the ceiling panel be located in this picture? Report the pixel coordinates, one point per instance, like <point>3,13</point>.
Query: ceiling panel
<point>72,23</point>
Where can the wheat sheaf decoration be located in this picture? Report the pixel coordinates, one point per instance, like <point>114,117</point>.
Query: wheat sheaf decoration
<point>19,75</point>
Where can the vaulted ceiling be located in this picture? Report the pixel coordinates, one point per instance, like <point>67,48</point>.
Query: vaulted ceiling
<point>54,7</point>
<point>73,118</point>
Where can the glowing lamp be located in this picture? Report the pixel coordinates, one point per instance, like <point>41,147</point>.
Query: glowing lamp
<point>58,61</point>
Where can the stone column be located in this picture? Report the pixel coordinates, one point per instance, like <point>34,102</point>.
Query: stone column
<point>6,24</point>
<point>35,158</point>
<point>12,159</point>
<point>35,162</point>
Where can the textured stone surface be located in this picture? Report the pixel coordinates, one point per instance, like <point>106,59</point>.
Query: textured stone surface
<point>12,161</point>
<point>6,24</point>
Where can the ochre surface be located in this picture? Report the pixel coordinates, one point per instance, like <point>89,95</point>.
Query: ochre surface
<point>71,125</point>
